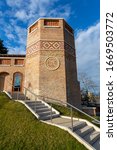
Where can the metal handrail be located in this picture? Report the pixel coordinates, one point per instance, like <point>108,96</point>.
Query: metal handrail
<point>66,103</point>
<point>60,101</point>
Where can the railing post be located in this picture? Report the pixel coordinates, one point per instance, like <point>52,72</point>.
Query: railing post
<point>18,94</point>
<point>51,112</point>
<point>25,92</point>
<point>71,119</point>
<point>35,103</point>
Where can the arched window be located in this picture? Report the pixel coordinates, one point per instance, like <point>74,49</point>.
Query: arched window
<point>17,81</point>
<point>4,80</point>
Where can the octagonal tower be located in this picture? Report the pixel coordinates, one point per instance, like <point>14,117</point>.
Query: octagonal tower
<point>51,61</point>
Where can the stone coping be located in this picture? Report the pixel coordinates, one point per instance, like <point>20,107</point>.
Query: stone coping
<point>12,55</point>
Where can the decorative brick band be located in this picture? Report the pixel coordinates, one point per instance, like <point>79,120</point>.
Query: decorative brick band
<point>33,48</point>
<point>50,45</point>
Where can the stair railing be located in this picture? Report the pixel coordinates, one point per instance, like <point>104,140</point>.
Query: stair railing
<point>45,99</point>
<point>70,106</point>
<point>49,99</point>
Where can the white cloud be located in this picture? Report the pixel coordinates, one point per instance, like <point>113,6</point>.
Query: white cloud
<point>21,34</point>
<point>61,11</point>
<point>27,11</point>
<point>21,15</point>
<point>16,49</point>
<point>10,36</point>
<point>16,3</point>
<point>87,50</point>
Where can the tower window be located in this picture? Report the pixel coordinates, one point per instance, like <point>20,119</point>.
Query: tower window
<point>51,22</point>
<point>33,27</point>
<point>5,61</point>
<point>19,61</point>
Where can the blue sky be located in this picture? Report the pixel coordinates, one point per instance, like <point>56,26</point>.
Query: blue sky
<point>82,15</point>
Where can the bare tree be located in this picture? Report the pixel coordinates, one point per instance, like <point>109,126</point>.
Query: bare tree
<point>87,83</point>
<point>88,88</point>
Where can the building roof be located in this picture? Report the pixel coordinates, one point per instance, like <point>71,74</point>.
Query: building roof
<point>12,55</point>
<point>44,18</point>
<point>49,18</point>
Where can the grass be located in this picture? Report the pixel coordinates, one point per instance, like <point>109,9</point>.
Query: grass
<point>66,111</point>
<point>20,130</point>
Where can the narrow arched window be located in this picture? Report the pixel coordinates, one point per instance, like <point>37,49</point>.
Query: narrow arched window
<point>17,79</point>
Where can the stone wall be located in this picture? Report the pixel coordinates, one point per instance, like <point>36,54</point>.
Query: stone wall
<point>7,72</point>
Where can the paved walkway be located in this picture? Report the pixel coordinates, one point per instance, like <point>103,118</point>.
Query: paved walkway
<point>64,121</point>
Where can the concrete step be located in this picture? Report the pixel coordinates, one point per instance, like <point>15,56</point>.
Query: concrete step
<point>79,125</point>
<point>39,107</point>
<point>46,113</point>
<point>96,145</point>
<point>20,96</point>
<point>23,98</point>
<point>92,137</point>
<point>48,117</point>
<point>38,110</point>
<point>84,131</point>
<point>33,102</point>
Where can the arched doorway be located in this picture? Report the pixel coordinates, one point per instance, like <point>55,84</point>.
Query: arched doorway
<point>17,82</point>
<point>3,81</point>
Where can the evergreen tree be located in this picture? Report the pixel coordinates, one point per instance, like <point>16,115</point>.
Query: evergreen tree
<point>3,49</point>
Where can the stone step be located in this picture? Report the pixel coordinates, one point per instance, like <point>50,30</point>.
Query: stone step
<point>79,125</point>
<point>20,96</point>
<point>46,113</point>
<point>96,145</point>
<point>84,131</point>
<point>38,107</point>
<point>92,137</point>
<point>48,117</point>
<point>33,102</point>
<point>38,110</point>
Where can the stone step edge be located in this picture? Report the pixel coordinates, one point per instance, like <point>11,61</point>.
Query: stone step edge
<point>46,113</point>
<point>33,112</point>
<point>77,137</point>
<point>84,131</point>
<point>87,122</point>
<point>48,117</point>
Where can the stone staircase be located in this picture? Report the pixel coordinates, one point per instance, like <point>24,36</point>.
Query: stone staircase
<point>86,132</point>
<point>82,130</point>
<point>18,95</point>
<point>42,109</point>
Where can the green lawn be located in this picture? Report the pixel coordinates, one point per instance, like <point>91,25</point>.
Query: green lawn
<point>66,111</point>
<point>20,130</point>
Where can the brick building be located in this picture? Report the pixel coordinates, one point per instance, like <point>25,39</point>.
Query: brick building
<point>49,67</point>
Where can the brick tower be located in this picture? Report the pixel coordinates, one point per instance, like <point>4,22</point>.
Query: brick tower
<point>51,61</point>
